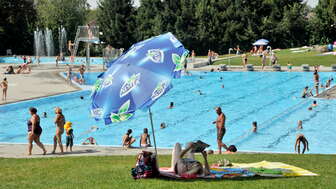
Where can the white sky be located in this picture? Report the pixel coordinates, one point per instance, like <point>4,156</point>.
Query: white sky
<point>93,3</point>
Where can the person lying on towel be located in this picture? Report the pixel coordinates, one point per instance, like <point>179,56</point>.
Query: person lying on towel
<point>188,166</point>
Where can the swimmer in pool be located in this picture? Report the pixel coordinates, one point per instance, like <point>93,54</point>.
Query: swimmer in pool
<point>300,138</point>
<point>314,104</point>
<point>254,127</point>
<point>222,86</point>
<point>162,126</point>
<point>199,92</point>
<point>171,105</point>
<point>299,124</point>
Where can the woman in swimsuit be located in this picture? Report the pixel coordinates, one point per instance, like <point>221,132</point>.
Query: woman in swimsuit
<point>4,85</point>
<point>59,122</point>
<point>34,131</point>
<point>188,166</point>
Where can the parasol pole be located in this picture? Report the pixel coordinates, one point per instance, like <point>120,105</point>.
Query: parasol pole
<point>151,120</point>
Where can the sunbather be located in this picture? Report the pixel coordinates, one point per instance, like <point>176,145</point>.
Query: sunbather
<point>188,166</point>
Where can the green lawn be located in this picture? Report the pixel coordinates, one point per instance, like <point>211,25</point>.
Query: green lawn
<point>285,56</point>
<point>114,172</point>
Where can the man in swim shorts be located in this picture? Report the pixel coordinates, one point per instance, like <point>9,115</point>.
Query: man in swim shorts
<point>220,125</point>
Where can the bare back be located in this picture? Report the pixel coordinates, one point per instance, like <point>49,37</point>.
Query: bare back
<point>144,138</point>
<point>220,122</point>
<point>60,121</point>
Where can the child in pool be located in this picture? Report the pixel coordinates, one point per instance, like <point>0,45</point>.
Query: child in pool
<point>69,135</point>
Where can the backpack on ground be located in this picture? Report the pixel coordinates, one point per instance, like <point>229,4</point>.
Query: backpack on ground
<point>146,166</point>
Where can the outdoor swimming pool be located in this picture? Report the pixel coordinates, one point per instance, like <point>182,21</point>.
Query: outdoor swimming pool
<point>48,60</point>
<point>270,98</point>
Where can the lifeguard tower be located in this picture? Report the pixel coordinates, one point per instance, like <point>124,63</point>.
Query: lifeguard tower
<point>88,34</point>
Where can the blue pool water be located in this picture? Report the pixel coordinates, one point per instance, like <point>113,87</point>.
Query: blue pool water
<point>270,98</point>
<point>78,60</point>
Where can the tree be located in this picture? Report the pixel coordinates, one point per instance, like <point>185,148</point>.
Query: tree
<point>186,24</point>
<point>55,13</point>
<point>323,22</point>
<point>293,26</point>
<point>17,23</point>
<point>116,19</point>
<point>148,19</point>
<point>169,15</point>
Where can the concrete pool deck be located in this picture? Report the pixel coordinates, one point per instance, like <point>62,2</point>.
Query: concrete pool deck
<point>20,151</point>
<point>44,80</point>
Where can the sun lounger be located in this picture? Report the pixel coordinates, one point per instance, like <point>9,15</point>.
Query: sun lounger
<point>276,68</point>
<point>249,67</point>
<point>305,67</point>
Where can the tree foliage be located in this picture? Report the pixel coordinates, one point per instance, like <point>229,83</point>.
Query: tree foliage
<point>17,23</point>
<point>56,13</point>
<point>116,19</point>
<point>323,22</point>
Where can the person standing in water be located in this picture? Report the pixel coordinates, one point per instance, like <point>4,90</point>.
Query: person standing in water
<point>301,139</point>
<point>34,131</point>
<point>299,124</point>
<point>254,127</point>
<point>220,125</point>
<point>316,81</point>
<point>59,122</point>
<point>4,86</point>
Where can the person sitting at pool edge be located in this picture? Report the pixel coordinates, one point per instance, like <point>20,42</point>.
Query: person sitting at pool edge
<point>328,83</point>
<point>90,141</point>
<point>145,139</point>
<point>188,166</point>
<point>171,105</point>
<point>127,139</point>
<point>306,92</point>
<point>301,138</point>
<point>254,127</point>
<point>299,124</point>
